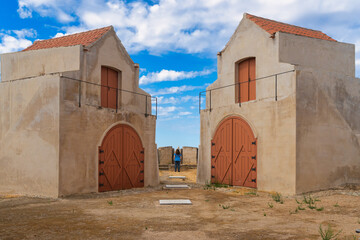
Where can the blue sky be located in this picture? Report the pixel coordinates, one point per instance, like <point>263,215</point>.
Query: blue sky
<point>174,41</point>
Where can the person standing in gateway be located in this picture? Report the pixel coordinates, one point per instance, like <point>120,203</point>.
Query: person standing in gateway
<point>177,159</point>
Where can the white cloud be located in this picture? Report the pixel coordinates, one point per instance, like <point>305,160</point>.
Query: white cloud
<point>166,111</point>
<point>179,100</point>
<point>12,44</point>
<point>184,113</point>
<point>202,26</point>
<point>357,62</point>
<point>173,90</point>
<point>171,75</point>
<point>61,10</point>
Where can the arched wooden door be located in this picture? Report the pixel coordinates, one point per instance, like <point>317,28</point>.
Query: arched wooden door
<point>233,154</point>
<point>121,160</point>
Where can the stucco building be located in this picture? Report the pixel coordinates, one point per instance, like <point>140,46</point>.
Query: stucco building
<point>73,118</point>
<point>284,113</point>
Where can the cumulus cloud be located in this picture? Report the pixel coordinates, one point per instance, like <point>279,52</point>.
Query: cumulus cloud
<point>184,113</point>
<point>61,10</point>
<point>202,26</point>
<point>166,111</point>
<point>9,43</point>
<point>178,100</point>
<point>173,90</point>
<point>171,75</point>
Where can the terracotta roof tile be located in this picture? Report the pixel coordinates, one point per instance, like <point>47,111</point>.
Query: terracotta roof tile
<point>83,38</point>
<point>272,27</point>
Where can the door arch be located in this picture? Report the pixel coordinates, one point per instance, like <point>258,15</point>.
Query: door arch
<point>233,153</point>
<point>121,159</point>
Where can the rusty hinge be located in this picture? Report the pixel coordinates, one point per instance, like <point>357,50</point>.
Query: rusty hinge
<point>212,166</point>
<point>253,169</point>
<point>101,162</point>
<point>253,157</point>
<point>142,180</point>
<point>253,180</point>
<point>101,184</point>
<point>101,174</point>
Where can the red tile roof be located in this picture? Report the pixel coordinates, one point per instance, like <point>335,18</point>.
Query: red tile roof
<point>83,38</point>
<point>272,27</point>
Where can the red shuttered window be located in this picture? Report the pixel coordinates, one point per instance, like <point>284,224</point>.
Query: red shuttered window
<point>109,85</point>
<point>246,89</point>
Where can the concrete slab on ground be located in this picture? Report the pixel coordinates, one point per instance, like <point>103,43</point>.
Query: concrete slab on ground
<point>177,177</point>
<point>175,202</point>
<point>177,186</point>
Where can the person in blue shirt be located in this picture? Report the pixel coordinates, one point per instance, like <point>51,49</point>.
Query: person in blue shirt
<point>177,160</point>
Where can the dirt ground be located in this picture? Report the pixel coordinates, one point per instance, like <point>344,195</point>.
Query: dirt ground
<point>216,213</point>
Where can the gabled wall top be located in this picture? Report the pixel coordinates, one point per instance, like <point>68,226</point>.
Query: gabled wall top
<point>272,27</point>
<point>84,38</point>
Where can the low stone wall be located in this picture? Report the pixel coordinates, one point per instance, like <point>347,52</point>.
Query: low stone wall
<point>165,155</point>
<point>190,155</point>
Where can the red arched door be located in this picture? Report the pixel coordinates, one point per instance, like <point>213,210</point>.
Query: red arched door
<point>121,160</point>
<point>233,154</point>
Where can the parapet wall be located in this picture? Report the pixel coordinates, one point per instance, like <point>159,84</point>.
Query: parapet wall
<point>189,155</point>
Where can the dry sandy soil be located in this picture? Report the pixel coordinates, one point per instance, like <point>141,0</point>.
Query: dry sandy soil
<point>216,213</point>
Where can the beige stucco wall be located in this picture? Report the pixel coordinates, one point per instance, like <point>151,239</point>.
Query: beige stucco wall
<point>39,62</point>
<point>29,136</point>
<point>86,126</point>
<point>327,112</point>
<point>308,139</point>
<point>51,142</point>
<point>273,122</point>
<point>328,127</point>
<point>190,155</point>
<point>165,155</point>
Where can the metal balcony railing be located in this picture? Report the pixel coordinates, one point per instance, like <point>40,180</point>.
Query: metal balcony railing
<point>209,91</point>
<point>147,100</point>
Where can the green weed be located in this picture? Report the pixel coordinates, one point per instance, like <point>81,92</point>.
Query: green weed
<point>270,205</point>
<point>277,198</point>
<point>328,233</point>
<point>300,208</point>
<point>319,209</point>
<point>336,205</point>
<point>110,203</point>
<point>251,193</point>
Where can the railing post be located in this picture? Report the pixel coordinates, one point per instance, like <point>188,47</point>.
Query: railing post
<point>199,102</point>
<point>79,93</point>
<point>156,107</point>
<point>275,87</point>
<point>210,100</point>
<point>146,106</point>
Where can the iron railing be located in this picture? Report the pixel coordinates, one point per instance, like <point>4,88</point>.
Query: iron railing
<point>147,99</point>
<point>201,94</point>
